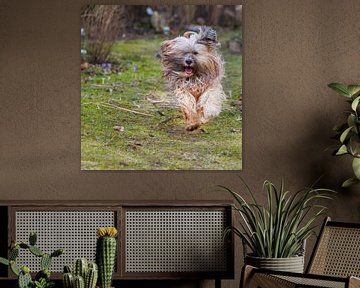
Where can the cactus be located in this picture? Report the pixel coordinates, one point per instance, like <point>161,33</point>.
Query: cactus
<point>80,267</point>
<point>32,238</point>
<point>14,268</point>
<point>44,273</point>
<point>57,252</point>
<point>13,253</point>
<point>67,269</point>
<point>91,276</point>
<point>45,261</point>
<point>68,280</point>
<point>89,272</point>
<point>24,278</point>
<point>36,251</point>
<point>105,254</point>
<point>79,282</point>
<point>4,261</point>
<point>24,245</point>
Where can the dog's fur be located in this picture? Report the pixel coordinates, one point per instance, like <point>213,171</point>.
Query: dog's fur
<point>193,68</point>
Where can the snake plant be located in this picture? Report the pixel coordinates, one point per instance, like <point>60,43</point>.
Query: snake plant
<point>279,228</point>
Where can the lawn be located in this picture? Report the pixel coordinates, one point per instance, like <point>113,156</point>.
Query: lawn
<point>129,120</point>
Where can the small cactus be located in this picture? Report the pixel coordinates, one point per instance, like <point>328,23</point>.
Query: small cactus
<point>23,273</point>
<point>13,253</point>
<point>106,254</point>
<point>24,245</point>
<point>68,280</point>
<point>32,238</point>
<point>44,273</point>
<point>24,277</point>
<point>14,268</point>
<point>89,272</point>
<point>91,276</point>
<point>79,282</point>
<point>67,269</point>
<point>4,261</point>
<point>80,268</point>
<point>45,261</point>
<point>57,252</point>
<point>36,251</point>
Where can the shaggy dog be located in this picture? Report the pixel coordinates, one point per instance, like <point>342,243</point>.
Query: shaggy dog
<point>193,68</point>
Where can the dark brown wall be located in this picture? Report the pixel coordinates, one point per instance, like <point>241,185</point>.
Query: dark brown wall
<point>293,49</point>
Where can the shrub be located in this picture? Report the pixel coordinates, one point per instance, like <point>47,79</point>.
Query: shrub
<point>102,25</point>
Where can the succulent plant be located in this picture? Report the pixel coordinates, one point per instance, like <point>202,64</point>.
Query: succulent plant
<point>80,267</point>
<point>85,275</point>
<point>106,254</point>
<point>79,282</point>
<point>42,278</point>
<point>91,276</point>
<point>68,278</point>
<point>25,279</point>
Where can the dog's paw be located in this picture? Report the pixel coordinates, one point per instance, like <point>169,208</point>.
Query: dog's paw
<point>192,127</point>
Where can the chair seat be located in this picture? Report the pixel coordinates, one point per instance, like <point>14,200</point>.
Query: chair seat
<point>268,279</point>
<point>315,282</point>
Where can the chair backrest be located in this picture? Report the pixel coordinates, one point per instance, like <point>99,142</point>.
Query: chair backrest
<point>337,251</point>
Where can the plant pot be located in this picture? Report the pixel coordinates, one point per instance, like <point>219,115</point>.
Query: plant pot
<point>291,264</point>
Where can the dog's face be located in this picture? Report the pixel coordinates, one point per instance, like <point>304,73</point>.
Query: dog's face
<point>192,55</point>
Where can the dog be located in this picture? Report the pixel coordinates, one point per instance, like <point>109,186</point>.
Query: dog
<point>193,69</point>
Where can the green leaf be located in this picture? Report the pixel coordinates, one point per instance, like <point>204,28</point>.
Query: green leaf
<point>353,89</point>
<point>349,182</point>
<point>351,120</point>
<point>354,145</point>
<point>14,268</point>
<point>342,150</point>
<point>4,261</point>
<point>356,167</point>
<point>341,89</point>
<point>355,103</point>
<point>345,134</point>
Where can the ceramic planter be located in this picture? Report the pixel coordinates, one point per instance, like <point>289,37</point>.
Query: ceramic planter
<point>291,264</point>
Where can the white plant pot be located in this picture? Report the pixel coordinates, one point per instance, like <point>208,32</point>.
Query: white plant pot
<point>291,264</point>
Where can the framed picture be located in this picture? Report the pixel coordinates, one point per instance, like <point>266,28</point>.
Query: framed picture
<point>161,87</point>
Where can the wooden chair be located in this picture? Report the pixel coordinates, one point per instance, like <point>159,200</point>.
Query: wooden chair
<point>335,262</point>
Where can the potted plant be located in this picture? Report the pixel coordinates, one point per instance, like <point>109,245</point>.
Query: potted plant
<point>276,233</point>
<point>106,254</point>
<point>349,132</point>
<point>42,278</point>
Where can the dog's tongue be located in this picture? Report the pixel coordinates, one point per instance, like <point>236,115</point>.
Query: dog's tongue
<point>189,70</point>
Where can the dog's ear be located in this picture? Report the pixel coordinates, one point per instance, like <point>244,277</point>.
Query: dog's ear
<point>192,30</point>
<point>187,34</point>
<point>207,36</point>
<point>163,48</point>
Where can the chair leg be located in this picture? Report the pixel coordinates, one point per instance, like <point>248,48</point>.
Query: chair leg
<point>246,273</point>
<point>217,283</point>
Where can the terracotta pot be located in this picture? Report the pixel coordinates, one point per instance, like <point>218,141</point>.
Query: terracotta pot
<point>291,264</point>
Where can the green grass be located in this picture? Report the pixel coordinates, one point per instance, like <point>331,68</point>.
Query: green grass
<point>113,138</point>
